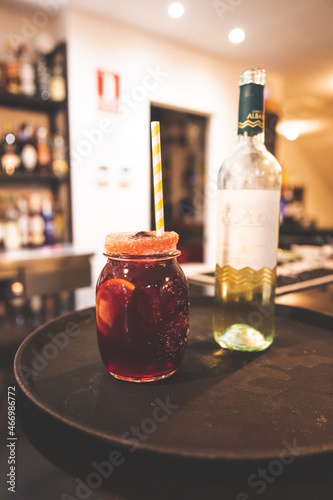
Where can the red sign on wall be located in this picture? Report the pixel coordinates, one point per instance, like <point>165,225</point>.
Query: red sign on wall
<point>108,90</point>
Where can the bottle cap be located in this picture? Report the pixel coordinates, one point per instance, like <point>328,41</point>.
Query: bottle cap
<point>253,75</point>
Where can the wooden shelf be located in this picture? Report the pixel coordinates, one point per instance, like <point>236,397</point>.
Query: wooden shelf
<point>31,177</point>
<point>20,101</point>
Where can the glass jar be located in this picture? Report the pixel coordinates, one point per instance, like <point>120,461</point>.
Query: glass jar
<point>142,313</point>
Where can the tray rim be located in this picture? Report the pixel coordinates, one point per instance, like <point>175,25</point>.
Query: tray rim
<point>29,392</point>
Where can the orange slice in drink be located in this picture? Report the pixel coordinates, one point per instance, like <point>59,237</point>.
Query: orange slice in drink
<point>111,300</point>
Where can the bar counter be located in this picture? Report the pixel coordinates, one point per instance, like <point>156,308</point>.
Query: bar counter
<point>47,269</point>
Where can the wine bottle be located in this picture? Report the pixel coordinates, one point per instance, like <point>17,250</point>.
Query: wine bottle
<point>249,183</point>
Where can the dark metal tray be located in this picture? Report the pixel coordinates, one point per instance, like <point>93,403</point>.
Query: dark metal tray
<point>219,406</point>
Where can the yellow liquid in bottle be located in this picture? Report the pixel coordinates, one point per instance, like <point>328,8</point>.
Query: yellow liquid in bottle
<point>244,308</point>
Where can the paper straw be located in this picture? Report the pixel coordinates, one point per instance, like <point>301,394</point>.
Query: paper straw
<point>157,177</point>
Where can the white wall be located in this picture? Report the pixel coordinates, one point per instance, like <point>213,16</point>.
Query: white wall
<point>191,80</point>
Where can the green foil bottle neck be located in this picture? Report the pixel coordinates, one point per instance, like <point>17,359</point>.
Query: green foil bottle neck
<point>251,117</point>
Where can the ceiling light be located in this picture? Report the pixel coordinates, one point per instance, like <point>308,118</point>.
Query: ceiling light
<point>289,129</point>
<point>236,35</point>
<point>176,10</point>
<point>292,129</point>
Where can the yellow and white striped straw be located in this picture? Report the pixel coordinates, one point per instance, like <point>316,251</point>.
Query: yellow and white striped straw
<point>157,177</point>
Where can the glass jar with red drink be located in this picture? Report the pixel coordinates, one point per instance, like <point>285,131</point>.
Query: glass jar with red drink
<point>142,306</point>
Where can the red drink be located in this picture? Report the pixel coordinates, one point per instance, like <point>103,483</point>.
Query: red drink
<point>142,307</point>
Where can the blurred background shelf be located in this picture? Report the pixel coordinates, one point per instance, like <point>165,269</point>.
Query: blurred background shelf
<point>31,178</point>
<point>19,101</point>
<point>35,178</point>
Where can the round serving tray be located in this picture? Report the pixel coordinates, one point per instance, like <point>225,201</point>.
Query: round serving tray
<point>220,405</point>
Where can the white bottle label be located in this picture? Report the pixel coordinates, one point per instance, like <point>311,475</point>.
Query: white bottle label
<point>248,225</point>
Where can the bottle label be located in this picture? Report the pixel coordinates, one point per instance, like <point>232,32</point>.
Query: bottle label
<point>248,225</point>
<point>251,118</point>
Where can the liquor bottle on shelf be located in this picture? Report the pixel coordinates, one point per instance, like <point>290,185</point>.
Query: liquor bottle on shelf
<point>29,156</point>
<point>36,221</point>
<point>27,72</point>
<point>59,222</point>
<point>43,78</point>
<point>249,183</point>
<point>48,221</point>
<point>23,221</point>
<point>57,82</point>
<point>59,161</point>
<point>12,237</point>
<point>10,159</point>
<point>12,70</point>
<point>43,151</point>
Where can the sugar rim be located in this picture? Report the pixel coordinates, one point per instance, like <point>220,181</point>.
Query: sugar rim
<point>126,244</point>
